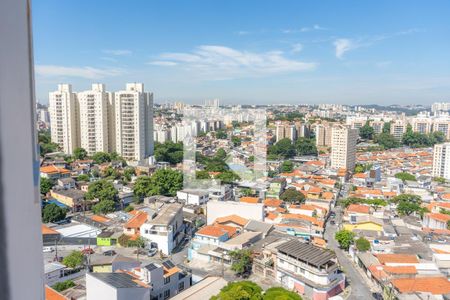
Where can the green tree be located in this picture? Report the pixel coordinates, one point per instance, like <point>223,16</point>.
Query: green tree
<point>406,198</point>
<point>101,190</point>
<point>279,293</point>
<point>101,157</point>
<point>74,259</point>
<point>129,208</point>
<point>241,261</point>
<point>387,141</point>
<point>221,134</point>
<point>45,144</point>
<point>221,154</point>
<point>128,173</point>
<point>111,173</point>
<point>287,166</point>
<point>169,152</point>
<point>283,148</point>
<point>359,168</point>
<point>202,175</point>
<point>143,186</point>
<point>440,180</point>
<point>83,177</point>
<point>104,207</point>
<point>362,244</point>
<point>366,131</point>
<point>64,285</point>
<point>344,238</point>
<point>236,141</point>
<point>79,153</point>
<point>405,176</point>
<point>123,240</point>
<point>386,127</point>
<point>439,137</point>
<point>228,177</point>
<point>53,213</point>
<point>163,182</point>
<point>45,185</point>
<point>291,195</point>
<point>240,290</point>
<point>305,146</point>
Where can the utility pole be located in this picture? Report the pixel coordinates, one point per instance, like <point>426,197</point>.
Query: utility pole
<point>222,264</point>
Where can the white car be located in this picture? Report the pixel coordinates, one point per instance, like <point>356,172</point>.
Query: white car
<point>48,249</point>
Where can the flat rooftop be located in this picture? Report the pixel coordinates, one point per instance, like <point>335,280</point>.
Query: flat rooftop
<point>166,214</point>
<point>306,253</point>
<point>117,280</point>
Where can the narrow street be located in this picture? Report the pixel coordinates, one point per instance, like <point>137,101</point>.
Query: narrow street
<point>359,288</point>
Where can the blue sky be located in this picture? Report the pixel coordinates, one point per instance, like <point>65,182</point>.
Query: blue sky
<point>356,52</point>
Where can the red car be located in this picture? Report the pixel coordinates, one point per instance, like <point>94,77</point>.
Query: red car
<point>86,251</point>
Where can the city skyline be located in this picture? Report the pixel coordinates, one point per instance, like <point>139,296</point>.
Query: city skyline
<point>253,52</point>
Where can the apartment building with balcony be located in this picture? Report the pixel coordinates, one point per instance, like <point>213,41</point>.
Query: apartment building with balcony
<point>133,108</point>
<point>343,147</point>
<point>63,109</point>
<point>166,229</point>
<point>94,136</point>
<point>308,270</point>
<point>441,161</point>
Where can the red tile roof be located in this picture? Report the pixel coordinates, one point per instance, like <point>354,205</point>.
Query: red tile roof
<point>397,258</point>
<point>358,208</point>
<point>433,285</point>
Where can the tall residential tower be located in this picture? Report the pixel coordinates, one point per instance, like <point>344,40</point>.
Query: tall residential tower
<point>63,109</point>
<point>94,119</point>
<point>343,147</point>
<point>134,122</point>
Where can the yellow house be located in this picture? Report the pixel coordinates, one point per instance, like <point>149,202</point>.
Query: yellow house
<point>368,225</point>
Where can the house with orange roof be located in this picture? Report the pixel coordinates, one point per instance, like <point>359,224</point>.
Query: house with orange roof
<point>53,173</point>
<point>272,203</point>
<point>436,221</point>
<point>356,210</point>
<point>208,238</point>
<point>397,259</point>
<point>51,294</point>
<point>249,199</point>
<point>436,286</point>
<point>133,226</point>
<point>232,220</point>
<point>308,210</point>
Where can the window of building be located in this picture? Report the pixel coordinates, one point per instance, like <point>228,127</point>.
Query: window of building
<point>166,294</point>
<point>181,286</point>
<point>167,280</point>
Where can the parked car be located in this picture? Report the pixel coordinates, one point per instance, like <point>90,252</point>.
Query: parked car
<point>332,222</point>
<point>86,251</point>
<point>109,253</point>
<point>48,249</point>
<point>152,252</point>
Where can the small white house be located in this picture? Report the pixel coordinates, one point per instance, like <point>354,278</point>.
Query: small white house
<point>193,197</point>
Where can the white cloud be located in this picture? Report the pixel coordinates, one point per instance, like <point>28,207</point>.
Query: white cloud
<point>304,29</point>
<point>296,48</point>
<point>118,52</point>
<point>243,32</point>
<point>224,62</point>
<point>163,63</point>
<point>82,72</point>
<point>344,45</point>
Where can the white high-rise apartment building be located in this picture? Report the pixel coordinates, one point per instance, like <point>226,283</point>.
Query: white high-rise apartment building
<point>343,147</point>
<point>134,122</point>
<point>93,118</point>
<point>441,160</point>
<point>440,106</point>
<point>63,109</point>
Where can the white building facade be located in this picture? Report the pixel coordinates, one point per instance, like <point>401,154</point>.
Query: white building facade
<point>441,160</point>
<point>63,109</point>
<point>343,147</point>
<point>94,136</point>
<point>134,122</point>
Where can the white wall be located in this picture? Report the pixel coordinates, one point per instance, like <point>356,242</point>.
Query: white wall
<point>216,209</point>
